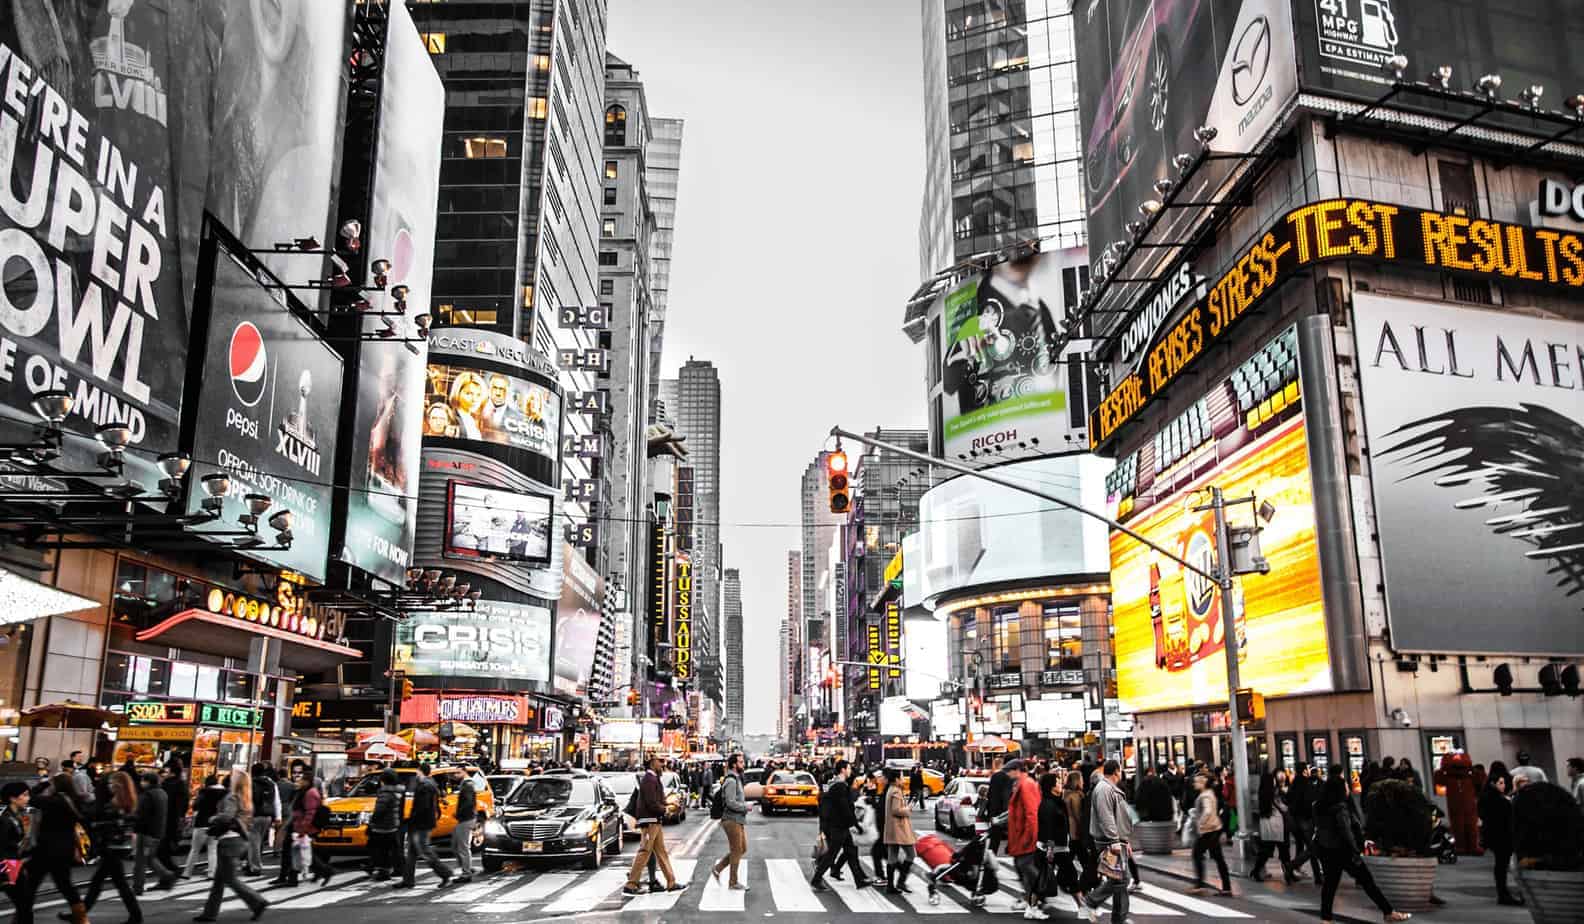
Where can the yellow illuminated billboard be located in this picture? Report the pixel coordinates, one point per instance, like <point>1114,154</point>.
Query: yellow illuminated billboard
<point>1247,438</point>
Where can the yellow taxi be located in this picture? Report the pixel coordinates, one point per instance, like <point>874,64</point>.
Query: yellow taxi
<point>934,780</point>
<point>790,789</point>
<point>349,814</point>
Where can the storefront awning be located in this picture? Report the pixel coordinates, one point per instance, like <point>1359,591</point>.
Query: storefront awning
<point>218,634</point>
<point>24,599</point>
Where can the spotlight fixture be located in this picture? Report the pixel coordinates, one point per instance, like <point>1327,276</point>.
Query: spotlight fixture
<point>256,505</point>
<point>1150,207</point>
<point>381,269</point>
<point>1396,64</point>
<point>53,405</point>
<point>216,485</point>
<point>281,521</point>
<point>1442,76</point>
<point>114,437</point>
<point>447,582</point>
<point>1164,186</point>
<point>175,464</point>
<point>1205,134</point>
<point>463,590</point>
<point>1135,227</point>
<point>432,575</point>
<point>1576,103</point>
<point>1267,511</point>
<point>1183,162</point>
<point>1489,84</point>
<point>399,293</point>
<point>362,304</point>
<point>1530,95</point>
<point>422,322</point>
<point>351,235</point>
<point>305,243</point>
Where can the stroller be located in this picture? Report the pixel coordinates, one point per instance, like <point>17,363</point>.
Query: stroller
<point>969,866</point>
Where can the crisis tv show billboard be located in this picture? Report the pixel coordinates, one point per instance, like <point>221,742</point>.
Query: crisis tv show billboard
<point>482,406</point>
<point>1247,437</point>
<point>577,623</point>
<point>266,414</point>
<point>500,640</point>
<point>1476,436</point>
<point>120,125</point>
<point>1004,380</point>
<point>1152,73</point>
<point>386,431</point>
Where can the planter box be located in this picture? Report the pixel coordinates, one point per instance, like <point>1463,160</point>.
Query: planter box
<point>1406,881</point>
<point>1553,897</point>
<point>1155,837</point>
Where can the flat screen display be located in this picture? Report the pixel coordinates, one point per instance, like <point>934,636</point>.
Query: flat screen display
<point>497,524</point>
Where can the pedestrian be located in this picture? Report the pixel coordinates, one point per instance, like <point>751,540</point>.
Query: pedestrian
<point>115,823</point>
<point>877,850</point>
<point>650,814</point>
<point>285,792</point>
<point>1524,774</point>
<point>837,820</point>
<point>1496,827</point>
<point>1111,830</point>
<point>204,807</point>
<point>734,815</point>
<point>916,785</point>
<point>1055,838</point>
<point>14,824</point>
<point>153,814</point>
<point>1207,840</point>
<point>1337,841</point>
<point>899,838</point>
<point>80,778</point>
<point>1272,816</point>
<point>421,821</point>
<point>1300,806</point>
<point>56,849</point>
<point>1023,840</point>
<point>385,850</point>
<point>1407,773</point>
<point>305,802</point>
<point>177,801</point>
<point>266,812</point>
<point>1575,772</point>
<point>996,802</point>
<point>1077,831</point>
<point>228,828</point>
<point>466,813</point>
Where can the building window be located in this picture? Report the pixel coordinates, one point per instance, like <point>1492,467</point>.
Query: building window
<point>1005,655</point>
<point>607,287</point>
<point>615,126</point>
<point>608,229</point>
<point>1063,638</point>
<point>481,147</point>
<point>434,41</point>
<point>611,171</point>
<point>541,63</point>
<point>537,108</point>
<point>610,195</point>
<point>607,258</point>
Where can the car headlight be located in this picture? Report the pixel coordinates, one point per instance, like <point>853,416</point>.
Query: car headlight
<point>363,818</point>
<point>581,828</point>
<point>493,828</point>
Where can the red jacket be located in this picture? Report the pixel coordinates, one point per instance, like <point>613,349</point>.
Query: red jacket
<point>1023,818</point>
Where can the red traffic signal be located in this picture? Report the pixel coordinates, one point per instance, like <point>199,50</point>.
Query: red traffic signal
<point>836,477</point>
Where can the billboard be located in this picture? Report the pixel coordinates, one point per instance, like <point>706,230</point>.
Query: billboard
<point>1247,437</point>
<point>1004,381</point>
<point>577,623</point>
<point>925,641</point>
<point>1475,425</point>
<point>126,121</point>
<point>1160,70</point>
<point>491,407</point>
<point>383,497</point>
<point>266,416</point>
<point>498,640</point>
<point>494,523</point>
<point>976,533</point>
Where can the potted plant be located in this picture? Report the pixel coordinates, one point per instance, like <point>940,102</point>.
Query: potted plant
<point>1548,841</point>
<point>1156,830</point>
<point>1398,818</point>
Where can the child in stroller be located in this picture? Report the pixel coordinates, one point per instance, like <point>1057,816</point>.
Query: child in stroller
<point>969,866</point>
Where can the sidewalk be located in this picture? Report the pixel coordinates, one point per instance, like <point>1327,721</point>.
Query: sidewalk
<point>1468,886</point>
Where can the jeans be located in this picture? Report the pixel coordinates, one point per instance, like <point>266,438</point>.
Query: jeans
<point>736,846</point>
<point>419,844</point>
<point>839,848</point>
<point>200,840</point>
<point>877,854</point>
<point>1306,850</point>
<point>258,836</point>
<point>231,851</point>
<point>385,853</point>
<point>1114,889</point>
<point>1210,842</point>
<point>1503,860</point>
<point>1030,869</point>
<point>33,874</point>
<point>146,855</point>
<point>462,846</point>
<point>1335,862</point>
<point>651,844</point>
<point>112,865</point>
<point>1266,848</point>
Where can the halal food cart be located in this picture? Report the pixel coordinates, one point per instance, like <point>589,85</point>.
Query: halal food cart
<point>209,737</point>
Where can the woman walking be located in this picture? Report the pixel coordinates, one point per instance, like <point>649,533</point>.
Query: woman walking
<point>114,827</point>
<point>1078,831</point>
<point>55,847</point>
<point>1496,827</point>
<point>1337,842</point>
<point>1055,837</point>
<point>899,837</point>
<point>1207,822</point>
<point>1272,828</point>
<point>229,827</point>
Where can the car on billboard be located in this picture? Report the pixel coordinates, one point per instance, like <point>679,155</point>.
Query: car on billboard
<point>349,814</point>
<point>1135,107</point>
<point>555,816</point>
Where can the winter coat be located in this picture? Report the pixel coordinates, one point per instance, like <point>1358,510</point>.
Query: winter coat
<point>1206,817</point>
<point>651,799</point>
<point>836,815</point>
<point>1496,820</point>
<point>1023,818</point>
<point>205,805</point>
<point>55,830</point>
<point>229,819</point>
<point>304,805</point>
<point>152,813</point>
<point>1334,826</point>
<point>113,828</point>
<point>176,802</point>
<point>1000,792</point>
<point>467,802</point>
<point>1053,822</point>
<point>266,800</point>
<point>1273,827</point>
<point>425,805</point>
<point>387,815</point>
<point>1109,822</point>
<point>13,835</point>
<point>1074,800</point>
<point>899,818</point>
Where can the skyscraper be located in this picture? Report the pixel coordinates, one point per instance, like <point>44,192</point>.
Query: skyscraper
<point>698,417</point>
<point>821,534</point>
<point>781,709</point>
<point>663,168</point>
<point>793,669</point>
<point>732,615</point>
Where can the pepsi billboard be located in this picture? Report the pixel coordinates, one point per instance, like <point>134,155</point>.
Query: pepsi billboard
<point>268,390</point>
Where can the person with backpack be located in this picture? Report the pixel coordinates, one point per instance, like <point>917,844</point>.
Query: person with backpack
<point>462,834</point>
<point>309,816</point>
<point>385,851</point>
<point>421,823</point>
<point>731,807</point>
<point>649,810</point>
<point>152,816</point>
<point>203,810</point>
<point>266,811</point>
<point>114,824</point>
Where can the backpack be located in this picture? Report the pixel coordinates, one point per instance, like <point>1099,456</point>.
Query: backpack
<point>632,804</point>
<point>718,802</point>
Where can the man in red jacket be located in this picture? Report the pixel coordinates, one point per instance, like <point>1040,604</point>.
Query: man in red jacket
<point>1023,838</point>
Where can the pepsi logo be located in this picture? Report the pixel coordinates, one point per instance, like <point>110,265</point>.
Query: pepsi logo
<point>249,364</point>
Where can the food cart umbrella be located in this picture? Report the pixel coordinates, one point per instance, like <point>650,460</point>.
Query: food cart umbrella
<point>992,743</point>
<point>69,714</point>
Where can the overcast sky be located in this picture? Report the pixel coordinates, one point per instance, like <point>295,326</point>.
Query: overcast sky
<point>796,246</point>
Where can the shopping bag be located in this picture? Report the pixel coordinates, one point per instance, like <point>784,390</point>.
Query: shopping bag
<point>302,852</point>
<point>819,846</point>
<point>1186,836</point>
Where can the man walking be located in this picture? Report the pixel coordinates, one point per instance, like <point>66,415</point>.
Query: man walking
<point>733,816</point>
<point>1023,839</point>
<point>176,802</point>
<point>837,820</point>
<point>152,815</point>
<point>462,834</point>
<point>650,812</point>
<point>420,826</point>
<point>916,785</point>
<point>1111,829</point>
<point>996,803</point>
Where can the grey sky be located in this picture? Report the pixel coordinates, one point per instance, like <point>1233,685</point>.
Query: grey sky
<point>797,221</point>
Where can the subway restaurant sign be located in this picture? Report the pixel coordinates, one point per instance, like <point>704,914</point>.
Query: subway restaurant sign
<point>1342,229</point>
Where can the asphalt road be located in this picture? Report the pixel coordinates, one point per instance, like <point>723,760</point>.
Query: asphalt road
<point>776,870</point>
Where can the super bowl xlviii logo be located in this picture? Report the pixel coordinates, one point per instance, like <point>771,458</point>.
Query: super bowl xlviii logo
<point>249,362</point>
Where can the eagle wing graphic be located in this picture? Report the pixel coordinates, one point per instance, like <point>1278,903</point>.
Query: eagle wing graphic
<point>1524,467</point>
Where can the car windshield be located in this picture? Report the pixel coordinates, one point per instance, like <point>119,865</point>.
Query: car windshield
<point>671,781</point>
<point>621,784</point>
<point>784,778</point>
<point>756,775</point>
<point>501,786</point>
<point>367,786</point>
<point>544,792</point>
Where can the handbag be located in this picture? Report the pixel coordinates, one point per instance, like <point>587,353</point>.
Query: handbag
<point>1113,862</point>
<point>1189,832</point>
<point>820,846</point>
<point>11,870</point>
<point>82,844</point>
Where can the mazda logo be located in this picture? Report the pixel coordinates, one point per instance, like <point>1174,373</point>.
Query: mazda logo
<point>1250,59</point>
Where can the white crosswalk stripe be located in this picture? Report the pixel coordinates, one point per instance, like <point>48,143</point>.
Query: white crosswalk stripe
<point>789,886</point>
<point>861,901</point>
<point>719,896</point>
<point>516,899</point>
<point>664,901</point>
<point>1189,903</point>
<point>584,896</point>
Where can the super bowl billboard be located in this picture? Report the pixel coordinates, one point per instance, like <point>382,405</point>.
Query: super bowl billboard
<point>1246,436</point>
<point>125,122</point>
<point>266,414</point>
<point>1476,429</point>
<point>386,432</point>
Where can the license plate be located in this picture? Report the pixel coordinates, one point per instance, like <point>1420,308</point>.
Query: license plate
<point>532,847</point>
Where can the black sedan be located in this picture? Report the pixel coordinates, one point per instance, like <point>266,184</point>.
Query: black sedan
<point>555,817</point>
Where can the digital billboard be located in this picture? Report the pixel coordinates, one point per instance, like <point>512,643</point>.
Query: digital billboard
<point>1476,430</point>
<point>266,416</point>
<point>383,497</point>
<point>500,640</point>
<point>1005,382</point>
<point>494,523</point>
<point>577,623</point>
<point>1247,437</point>
<point>491,407</point>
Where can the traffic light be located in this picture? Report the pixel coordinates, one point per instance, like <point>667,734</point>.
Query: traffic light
<point>836,476</point>
<point>406,689</point>
<point>1250,706</point>
<point>632,697</point>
